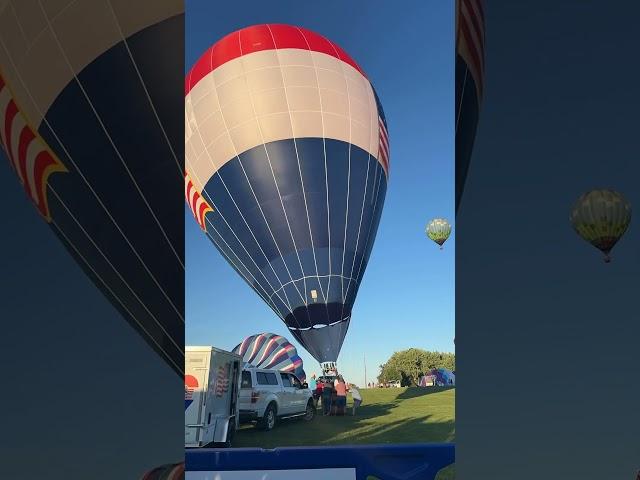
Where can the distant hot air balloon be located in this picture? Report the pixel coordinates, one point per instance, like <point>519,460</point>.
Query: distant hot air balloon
<point>439,230</point>
<point>601,217</point>
<point>268,350</point>
<point>469,83</point>
<point>94,135</point>
<point>287,160</point>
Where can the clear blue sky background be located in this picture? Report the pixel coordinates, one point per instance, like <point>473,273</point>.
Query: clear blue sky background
<point>407,295</point>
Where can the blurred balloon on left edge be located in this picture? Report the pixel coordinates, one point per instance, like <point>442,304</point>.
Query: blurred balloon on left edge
<point>93,129</point>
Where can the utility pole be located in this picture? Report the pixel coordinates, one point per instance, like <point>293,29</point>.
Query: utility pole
<point>365,370</point>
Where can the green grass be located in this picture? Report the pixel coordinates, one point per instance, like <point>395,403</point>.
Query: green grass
<point>393,415</point>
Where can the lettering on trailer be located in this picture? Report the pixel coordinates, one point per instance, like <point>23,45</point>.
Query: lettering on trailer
<point>190,384</point>
<point>307,474</point>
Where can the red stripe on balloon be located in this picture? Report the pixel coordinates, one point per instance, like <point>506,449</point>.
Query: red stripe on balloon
<point>260,38</point>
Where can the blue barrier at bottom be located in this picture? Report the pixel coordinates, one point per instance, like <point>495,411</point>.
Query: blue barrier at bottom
<point>385,462</point>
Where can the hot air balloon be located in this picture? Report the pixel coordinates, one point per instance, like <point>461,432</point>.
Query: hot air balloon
<point>287,161</point>
<point>601,217</point>
<point>439,230</point>
<point>268,350</point>
<point>92,131</point>
<point>469,83</point>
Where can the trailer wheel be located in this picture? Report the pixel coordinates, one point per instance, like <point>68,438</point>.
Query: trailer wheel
<point>268,421</point>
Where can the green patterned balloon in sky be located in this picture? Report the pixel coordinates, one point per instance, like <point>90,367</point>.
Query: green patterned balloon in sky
<point>439,230</point>
<point>601,217</point>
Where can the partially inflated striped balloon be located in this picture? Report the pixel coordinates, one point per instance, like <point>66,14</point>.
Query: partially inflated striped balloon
<point>268,350</point>
<point>439,230</point>
<point>601,217</point>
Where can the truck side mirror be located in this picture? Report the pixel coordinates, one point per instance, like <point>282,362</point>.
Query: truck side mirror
<point>305,385</point>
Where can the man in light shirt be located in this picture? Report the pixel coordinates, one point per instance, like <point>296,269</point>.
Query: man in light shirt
<point>357,398</point>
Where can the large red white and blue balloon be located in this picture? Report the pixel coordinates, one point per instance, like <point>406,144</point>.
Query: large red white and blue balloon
<point>94,135</point>
<point>287,161</point>
<point>469,84</point>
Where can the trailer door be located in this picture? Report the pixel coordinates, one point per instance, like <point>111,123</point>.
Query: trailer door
<point>197,369</point>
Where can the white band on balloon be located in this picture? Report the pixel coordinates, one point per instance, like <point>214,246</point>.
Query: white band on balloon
<point>275,95</point>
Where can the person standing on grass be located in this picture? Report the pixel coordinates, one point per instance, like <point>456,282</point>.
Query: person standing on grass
<point>319,388</point>
<point>357,398</point>
<point>313,385</point>
<point>327,391</point>
<point>341,396</point>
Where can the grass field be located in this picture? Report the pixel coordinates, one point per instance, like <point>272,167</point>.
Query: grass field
<point>393,415</point>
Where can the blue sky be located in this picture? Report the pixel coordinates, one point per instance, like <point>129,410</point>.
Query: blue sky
<point>407,295</point>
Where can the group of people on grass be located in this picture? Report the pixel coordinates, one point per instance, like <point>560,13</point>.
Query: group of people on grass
<point>332,395</point>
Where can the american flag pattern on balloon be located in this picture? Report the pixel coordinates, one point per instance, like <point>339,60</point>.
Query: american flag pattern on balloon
<point>198,205</point>
<point>384,151</point>
<point>470,40</point>
<point>222,380</point>
<point>28,154</point>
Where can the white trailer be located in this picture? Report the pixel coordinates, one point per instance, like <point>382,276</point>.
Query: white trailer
<point>211,388</point>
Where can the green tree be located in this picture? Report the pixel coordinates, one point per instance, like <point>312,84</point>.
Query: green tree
<point>409,365</point>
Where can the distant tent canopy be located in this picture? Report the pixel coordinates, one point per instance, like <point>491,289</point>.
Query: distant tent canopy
<point>268,350</point>
<point>439,377</point>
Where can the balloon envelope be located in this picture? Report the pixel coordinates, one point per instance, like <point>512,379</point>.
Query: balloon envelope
<point>268,350</point>
<point>439,230</point>
<point>90,129</point>
<point>601,217</point>
<point>287,159</point>
<point>469,83</point>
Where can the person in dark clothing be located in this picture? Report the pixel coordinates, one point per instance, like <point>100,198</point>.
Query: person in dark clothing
<point>327,392</point>
<point>317,393</point>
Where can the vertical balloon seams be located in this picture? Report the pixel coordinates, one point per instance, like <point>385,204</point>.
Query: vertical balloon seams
<point>78,200</point>
<point>268,238</point>
<point>438,230</point>
<point>268,350</point>
<point>601,217</point>
<point>264,62</point>
<point>230,47</point>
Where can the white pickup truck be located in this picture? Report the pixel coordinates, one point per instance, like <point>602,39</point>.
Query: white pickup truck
<point>267,395</point>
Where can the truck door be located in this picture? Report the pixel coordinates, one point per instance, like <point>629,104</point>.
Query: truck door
<point>194,395</point>
<point>299,394</point>
<point>288,395</point>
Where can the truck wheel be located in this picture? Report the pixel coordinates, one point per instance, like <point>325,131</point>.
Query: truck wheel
<point>310,412</point>
<point>268,421</point>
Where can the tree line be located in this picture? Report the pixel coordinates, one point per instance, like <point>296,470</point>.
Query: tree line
<point>408,366</point>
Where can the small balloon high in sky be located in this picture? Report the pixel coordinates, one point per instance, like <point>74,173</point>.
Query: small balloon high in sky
<point>601,217</point>
<point>439,230</point>
<point>287,162</point>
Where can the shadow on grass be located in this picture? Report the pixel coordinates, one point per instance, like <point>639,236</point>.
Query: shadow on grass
<point>413,392</point>
<point>378,422</point>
